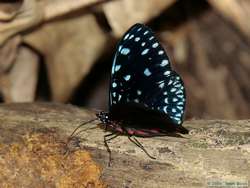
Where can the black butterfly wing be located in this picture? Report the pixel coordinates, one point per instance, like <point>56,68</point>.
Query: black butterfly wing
<point>141,75</point>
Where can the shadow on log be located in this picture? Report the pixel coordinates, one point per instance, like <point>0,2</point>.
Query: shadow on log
<point>33,136</point>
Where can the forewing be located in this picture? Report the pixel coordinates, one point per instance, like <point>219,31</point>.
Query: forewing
<point>141,72</point>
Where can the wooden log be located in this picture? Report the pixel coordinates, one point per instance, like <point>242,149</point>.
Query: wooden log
<point>215,151</point>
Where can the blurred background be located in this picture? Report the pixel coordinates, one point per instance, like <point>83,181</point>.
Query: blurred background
<point>62,51</point>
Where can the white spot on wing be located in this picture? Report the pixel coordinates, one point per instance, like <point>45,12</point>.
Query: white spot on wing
<point>151,38</point>
<point>117,67</point>
<point>114,84</point>
<point>132,36</point>
<point>180,96</point>
<point>166,100</point>
<point>161,52</point>
<point>164,62</point>
<point>161,85</point>
<point>155,45</point>
<point>175,82</point>
<point>173,90</point>
<point>179,91</point>
<point>145,51</point>
<point>180,103</point>
<point>174,110</point>
<point>127,77</point>
<point>167,73</point>
<point>143,43</point>
<point>165,109</point>
<point>175,99</point>
<point>139,29</point>
<point>119,97</point>
<point>114,94</point>
<point>120,47</point>
<point>137,39</point>
<point>136,100</point>
<point>176,118</point>
<point>126,36</point>
<point>147,72</point>
<point>170,82</point>
<point>178,85</point>
<point>146,32</point>
<point>138,92</point>
<point>165,93</point>
<point>178,115</point>
<point>180,107</point>
<point>125,51</point>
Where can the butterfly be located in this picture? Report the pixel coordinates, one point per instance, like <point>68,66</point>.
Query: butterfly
<point>146,96</point>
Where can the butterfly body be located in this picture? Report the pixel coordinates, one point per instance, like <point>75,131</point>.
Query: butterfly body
<point>146,97</point>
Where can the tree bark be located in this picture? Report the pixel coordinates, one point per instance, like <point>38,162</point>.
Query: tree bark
<point>215,152</point>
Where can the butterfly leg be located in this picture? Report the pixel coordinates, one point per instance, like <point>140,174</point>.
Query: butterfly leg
<point>137,143</point>
<point>106,139</point>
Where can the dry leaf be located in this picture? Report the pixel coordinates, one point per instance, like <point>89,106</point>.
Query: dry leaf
<point>27,16</point>
<point>28,13</point>
<point>70,47</point>
<point>124,13</point>
<point>58,8</point>
<point>8,53</point>
<point>237,12</point>
<point>8,10</point>
<point>19,85</point>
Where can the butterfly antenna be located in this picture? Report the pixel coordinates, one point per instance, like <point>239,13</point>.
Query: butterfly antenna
<point>72,134</point>
<point>137,143</point>
<point>82,124</point>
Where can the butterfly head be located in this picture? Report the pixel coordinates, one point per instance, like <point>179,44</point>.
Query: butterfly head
<point>104,117</point>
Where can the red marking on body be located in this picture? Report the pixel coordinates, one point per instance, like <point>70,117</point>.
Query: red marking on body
<point>119,129</point>
<point>116,127</point>
<point>141,133</point>
<point>130,131</point>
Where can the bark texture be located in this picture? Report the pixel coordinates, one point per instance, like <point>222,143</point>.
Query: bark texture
<point>215,151</point>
